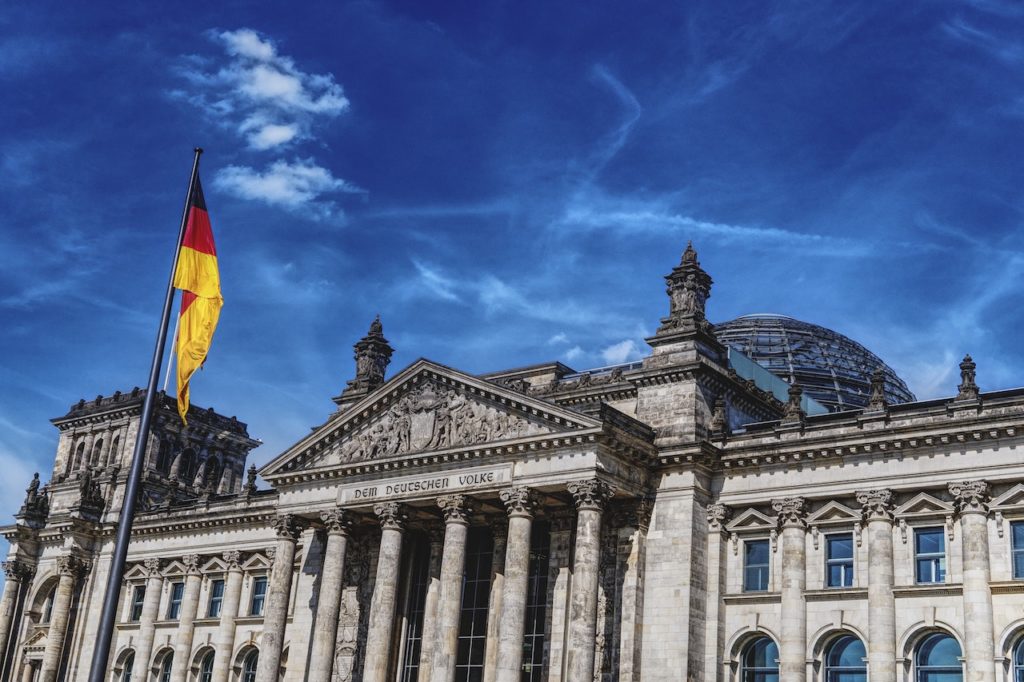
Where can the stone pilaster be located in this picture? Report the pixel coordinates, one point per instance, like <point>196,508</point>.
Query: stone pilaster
<point>520,503</point>
<point>69,568</point>
<point>499,530</point>
<point>559,581</point>
<point>150,609</point>
<point>714,636</point>
<point>278,595</point>
<point>382,605</point>
<point>632,540</point>
<point>792,518</point>
<point>19,575</point>
<point>225,642</point>
<point>877,510</point>
<point>456,509</point>
<point>590,496</point>
<point>186,618</point>
<point>325,628</point>
<point>430,602</point>
<point>972,499</point>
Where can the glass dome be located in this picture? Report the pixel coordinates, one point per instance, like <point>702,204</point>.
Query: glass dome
<point>831,368</point>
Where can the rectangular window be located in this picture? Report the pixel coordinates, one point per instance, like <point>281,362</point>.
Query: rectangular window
<point>1017,537</point>
<point>216,598</point>
<point>930,555</point>
<point>259,595</point>
<point>419,577</point>
<point>138,599</point>
<point>756,560</point>
<point>536,604</point>
<point>174,607</point>
<point>476,594</point>
<point>839,560</point>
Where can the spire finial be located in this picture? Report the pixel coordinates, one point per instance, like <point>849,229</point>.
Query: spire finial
<point>689,288</point>
<point>968,388</point>
<point>877,400</point>
<point>372,356</point>
<point>794,413</point>
<point>690,254</point>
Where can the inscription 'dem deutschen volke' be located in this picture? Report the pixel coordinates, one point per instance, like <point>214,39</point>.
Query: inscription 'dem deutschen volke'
<point>426,485</point>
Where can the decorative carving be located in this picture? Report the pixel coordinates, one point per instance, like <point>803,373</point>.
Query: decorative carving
<point>719,419</point>
<point>688,289</point>
<point>70,565</point>
<point>287,527</point>
<point>191,562</point>
<point>233,559</point>
<point>372,356</point>
<point>520,501</point>
<point>876,504</point>
<point>153,567</point>
<point>794,413</point>
<point>970,496</point>
<point>392,515</point>
<point>718,516</point>
<point>591,493</point>
<point>790,511</point>
<point>337,520</point>
<point>250,481</point>
<point>90,493</point>
<point>968,388</point>
<point>18,570</point>
<point>37,503</point>
<point>271,554</point>
<point>456,508</point>
<point>877,401</point>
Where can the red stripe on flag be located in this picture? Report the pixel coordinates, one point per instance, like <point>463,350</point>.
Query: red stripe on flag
<point>187,297</point>
<point>198,233</point>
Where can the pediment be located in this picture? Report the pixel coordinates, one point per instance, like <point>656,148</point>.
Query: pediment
<point>751,519</point>
<point>834,512</point>
<point>174,568</point>
<point>257,562</point>
<point>924,504</point>
<point>426,407</point>
<point>37,640</point>
<point>214,565</point>
<point>1012,498</point>
<point>136,572</point>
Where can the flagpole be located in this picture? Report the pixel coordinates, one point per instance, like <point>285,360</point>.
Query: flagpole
<point>101,651</point>
<point>174,344</point>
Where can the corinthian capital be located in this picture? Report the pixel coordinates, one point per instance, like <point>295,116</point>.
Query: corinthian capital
<point>391,514</point>
<point>233,559</point>
<point>456,508</point>
<point>69,565</point>
<point>791,511</point>
<point>337,520</point>
<point>153,567</point>
<point>876,505</point>
<point>287,527</point>
<point>521,501</point>
<point>970,497</point>
<point>18,570</point>
<point>191,562</point>
<point>718,516</point>
<point>591,493</point>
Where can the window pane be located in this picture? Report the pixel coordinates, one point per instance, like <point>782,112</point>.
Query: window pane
<point>1017,532</point>
<point>924,571</point>
<point>757,552</point>
<point>1018,564</point>
<point>930,541</point>
<point>840,547</point>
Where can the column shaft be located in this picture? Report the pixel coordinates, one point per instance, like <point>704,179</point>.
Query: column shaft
<point>279,593</point>
<point>979,631</point>
<point>325,628</point>
<point>16,579</point>
<point>449,603</point>
<point>714,633</point>
<point>583,597</point>
<point>225,641</point>
<point>494,607</point>
<point>27,671</point>
<point>186,620</point>
<point>881,644</point>
<point>58,622</point>
<point>520,503</point>
<point>385,586</point>
<point>430,603</point>
<point>147,631</point>
<point>793,631</point>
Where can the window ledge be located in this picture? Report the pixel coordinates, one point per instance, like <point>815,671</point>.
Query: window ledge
<point>753,598</point>
<point>937,590</point>
<point>831,593</point>
<point>1007,586</point>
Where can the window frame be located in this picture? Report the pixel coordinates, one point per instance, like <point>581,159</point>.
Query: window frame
<point>937,559</point>
<point>1015,550</point>
<point>750,673</point>
<point>138,603</point>
<point>258,580</point>
<point>174,599</point>
<point>921,671</point>
<point>832,670</point>
<point>215,599</point>
<point>250,663</point>
<point>206,667</point>
<point>848,565</point>
<point>166,663</point>
<point>767,566</point>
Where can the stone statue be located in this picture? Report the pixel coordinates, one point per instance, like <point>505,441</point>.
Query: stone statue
<point>32,492</point>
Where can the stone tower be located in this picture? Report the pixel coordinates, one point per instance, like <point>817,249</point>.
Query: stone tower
<point>372,356</point>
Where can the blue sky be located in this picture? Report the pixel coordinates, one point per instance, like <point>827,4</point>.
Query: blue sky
<point>504,182</point>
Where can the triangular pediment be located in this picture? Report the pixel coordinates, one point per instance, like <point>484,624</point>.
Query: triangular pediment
<point>36,641</point>
<point>426,407</point>
<point>924,504</point>
<point>1011,499</point>
<point>834,512</point>
<point>256,562</point>
<point>751,519</point>
<point>174,568</point>
<point>136,572</point>
<point>214,565</point>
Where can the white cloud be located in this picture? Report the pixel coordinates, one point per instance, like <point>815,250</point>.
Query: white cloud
<point>621,352</point>
<point>247,43</point>
<point>436,282</point>
<point>558,339</point>
<point>573,354</point>
<point>294,185</point>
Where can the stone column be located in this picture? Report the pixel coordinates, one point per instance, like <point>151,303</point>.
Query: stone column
<point>456,509</point>
<point>186,618</point>
<point>382,604</point>
<point>19,574</point>
<point>499,531</point>
<point>881,645</point>
<point>325,627</point>
<point>69,568</point>
<point>28,671</point>
<point>520,503</point>
<point>714,635</point>
<point>430,603</point>
<point>150,607</point>
<point>792,519</point>
<point>979,631</point>
<point>590,496</point>
<point>279,592</point>
<point>559,588</point>
<point>225,642</point>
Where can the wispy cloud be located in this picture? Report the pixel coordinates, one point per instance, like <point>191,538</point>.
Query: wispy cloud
<point>437,283</point>
<point>297,185</point>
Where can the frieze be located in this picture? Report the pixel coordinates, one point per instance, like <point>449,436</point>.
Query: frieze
<point>426,486</point>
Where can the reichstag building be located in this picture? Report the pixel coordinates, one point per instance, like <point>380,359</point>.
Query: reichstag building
<point>758,500</point>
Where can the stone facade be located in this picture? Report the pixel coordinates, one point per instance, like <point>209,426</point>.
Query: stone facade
<point>661,520</point>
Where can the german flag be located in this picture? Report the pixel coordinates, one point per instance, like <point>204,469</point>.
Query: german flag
<point>199,280</point>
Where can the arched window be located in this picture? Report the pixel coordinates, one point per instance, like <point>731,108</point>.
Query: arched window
<point>206,668</point>
<point>760,662</point>
<point>1018,662</point>
<point>163,458</point>
<point>844,661</point>
<point>249,666</point>
<point>48,606</point>
<point>165,667</point>
<point>126,670</point>
<point>112,453</point>
<point>187,467</point>
<point>938,659</point>
<point>76,461</point>
<point>97,450</point>
<point>213,472</point>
